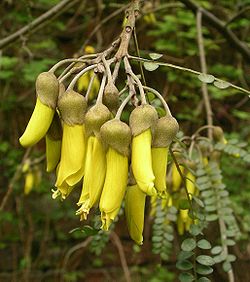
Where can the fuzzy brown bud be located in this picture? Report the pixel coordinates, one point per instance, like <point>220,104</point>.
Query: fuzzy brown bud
<point>165,130</point>
<point>95,118</point>
<point>111,97</point>
<point>47,89</point>
<point>142,118</point>
<point>72,107</point>
<point>117,135</point>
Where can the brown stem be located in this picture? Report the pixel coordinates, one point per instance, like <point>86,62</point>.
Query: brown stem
<point>115,239</point>
<point>131,14</point>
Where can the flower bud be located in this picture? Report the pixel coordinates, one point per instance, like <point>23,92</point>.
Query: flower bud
<point>72,107</point>
<point>165,130</point>
<point>47,89</point>
<point>218,134</point>
<point>111,97</point>
<point>117,135</point>
<point>142,118</point>
<point>95,118</point>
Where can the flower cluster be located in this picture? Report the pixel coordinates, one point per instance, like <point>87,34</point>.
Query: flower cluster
<point>87,142</point>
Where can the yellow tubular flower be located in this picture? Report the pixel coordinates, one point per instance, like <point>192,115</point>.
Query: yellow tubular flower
<point>29,182</point>
<point>53,144</point>
<point>180,225</point>
<point>47,89</point>
<point>159,163</point>
<point>141,162</point>
<point>53,152</point>
<point>114,187</point>
<point>165,130</point>
<point>38,125</point>
<point>141,120</point>
<point>190,179</point>
<point>134,210</point>
<point>95,171</point>
<point>72,155</point>
<point>117,136</point>
<point>72,107</point>
<point>176,178</point>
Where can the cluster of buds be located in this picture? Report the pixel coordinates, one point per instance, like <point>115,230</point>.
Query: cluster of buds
<point>88,143</point>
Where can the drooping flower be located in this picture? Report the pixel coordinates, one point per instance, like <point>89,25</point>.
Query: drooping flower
<point>95,163</point>
<point>165,130</point>
<point>134,210</point>
<point>141,121</point>
<point>47,89</point>
<point>117,137</point>
<point>72,107</point>
<point>53,143</point>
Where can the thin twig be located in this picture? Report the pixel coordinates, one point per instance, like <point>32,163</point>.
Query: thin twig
<point>221,27</point>
<point>13,180</point>
<point>101,90</point>
<point>203,63</point>
<point>74,80</point>
<point>75,248</point>
<point>187,70</point>
<point>90,86</point>
<point>137,80</point>
<point>164,103</point>
<point>119,247</point>
<point>55,11</point>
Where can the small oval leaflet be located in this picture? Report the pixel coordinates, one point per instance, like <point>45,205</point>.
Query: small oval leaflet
<point>221,84</point>
<point>184,265</point>
<point>204,244</point>
<point>188,244</point>
<point>155,56</point>
<point>205,260</point>
<point>186,277</point>
<point>206,78</point>
<point>204,270</point>
<point>150,66</point>
<point>216,250</point>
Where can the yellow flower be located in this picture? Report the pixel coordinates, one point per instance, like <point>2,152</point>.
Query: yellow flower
<point>134,210</point>
<point>159,163</point>
<point>114,187</point>
<point>53,144</point>
<point>141,161</point>
<point>71,167</point>
<point>176,178</point>
<point>141,120</point>
<point>165,130</point>
<point>47,89</point>
<point>117,136</point>
<point>95,171</point>
<point>72,107</point>
<point>29,182</point>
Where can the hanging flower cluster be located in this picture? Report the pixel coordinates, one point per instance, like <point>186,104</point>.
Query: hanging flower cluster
<point>88,143</point>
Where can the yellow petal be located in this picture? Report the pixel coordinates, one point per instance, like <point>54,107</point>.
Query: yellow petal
<point>134,210</point>
<point>180,225</point>
<point>176,178</point>
<point>159,163</point>
<point>190,179</point>
<point>29,182</point>
<point>71,167</point>
<point>141,161</point>
<point>53,153</point>
<point>114,186</point>
<point>95,171</point>
<point>38,125</point>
